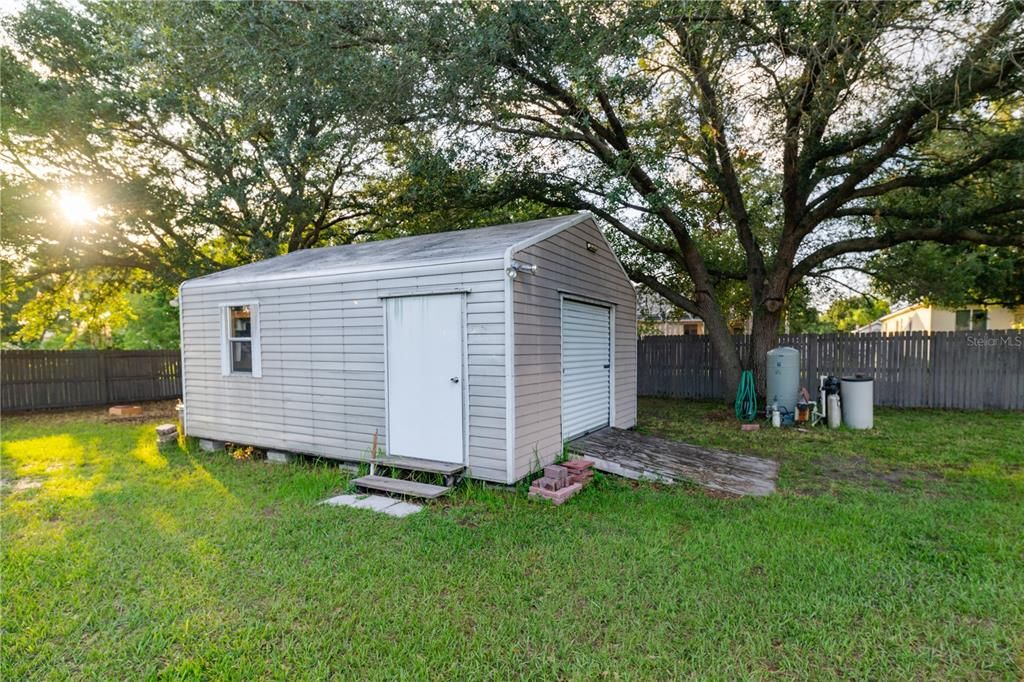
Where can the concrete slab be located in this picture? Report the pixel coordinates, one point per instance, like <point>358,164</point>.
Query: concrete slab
<point>377,503</point>
<point>402,509</point>
<point>211,445</point>
<point>374,503</point>
<point>341,500</point>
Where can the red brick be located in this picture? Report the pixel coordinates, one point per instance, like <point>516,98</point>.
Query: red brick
<point>546,483</point>
<point>559,473</point>
<point>750,427</point>
<point>578,464</point>
<point>558,496</point>
<point>125,410</point>
<point>582,479</point>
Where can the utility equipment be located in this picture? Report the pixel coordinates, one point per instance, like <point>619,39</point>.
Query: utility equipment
<point>783,380</point>
<point>858,394</point>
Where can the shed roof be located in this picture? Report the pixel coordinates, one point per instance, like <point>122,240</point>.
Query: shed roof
<point>481,243</point>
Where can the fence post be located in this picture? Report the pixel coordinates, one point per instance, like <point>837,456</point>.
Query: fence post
<point>811,365</point>
<point>104,382</point>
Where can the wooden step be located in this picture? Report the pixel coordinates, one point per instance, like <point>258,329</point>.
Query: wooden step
<point>413,464</point>
<point>401,487</point>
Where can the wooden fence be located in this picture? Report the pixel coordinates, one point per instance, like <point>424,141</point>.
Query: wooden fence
<point>961,370</point>
<point>31,380</point>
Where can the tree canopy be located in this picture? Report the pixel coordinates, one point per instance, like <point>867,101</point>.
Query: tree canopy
<point>732,150</point>
<point>143,144</point>
<point>755,144</point>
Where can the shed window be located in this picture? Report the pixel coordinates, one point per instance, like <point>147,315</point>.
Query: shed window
<point>241,340</point>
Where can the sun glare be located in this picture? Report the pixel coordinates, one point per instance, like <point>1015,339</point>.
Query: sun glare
<point>76,208</point>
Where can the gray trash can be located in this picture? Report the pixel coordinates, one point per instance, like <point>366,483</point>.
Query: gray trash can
<point>858,399</point>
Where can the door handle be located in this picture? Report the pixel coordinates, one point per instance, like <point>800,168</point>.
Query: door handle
<point>454,380</point>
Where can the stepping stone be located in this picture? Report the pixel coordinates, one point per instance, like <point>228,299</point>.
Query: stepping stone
<point>377,503</point>
<point>342,500</point>
<point>402,509</point>
<point>373,503</point>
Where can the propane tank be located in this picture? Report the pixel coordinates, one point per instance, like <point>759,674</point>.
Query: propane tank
<point>834,411</point>
<point>776,416</point>
<point>782,382</point>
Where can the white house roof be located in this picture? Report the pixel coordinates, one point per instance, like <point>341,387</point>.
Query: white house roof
<point>438,248</point>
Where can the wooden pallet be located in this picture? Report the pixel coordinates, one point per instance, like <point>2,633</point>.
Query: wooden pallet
<point>634,455</point>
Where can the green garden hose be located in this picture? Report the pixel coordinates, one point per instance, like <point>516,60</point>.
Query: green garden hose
<point>746,398</point>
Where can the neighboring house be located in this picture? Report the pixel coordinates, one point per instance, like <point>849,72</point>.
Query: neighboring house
<point>686,327</point>
<point>691,326</point>
<point>925,318</point>
<point>484,348</point>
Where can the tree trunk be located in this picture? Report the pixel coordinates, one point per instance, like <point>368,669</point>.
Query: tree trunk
<point>764,334</point>
<point>763,337</point>
<point>724,347</point>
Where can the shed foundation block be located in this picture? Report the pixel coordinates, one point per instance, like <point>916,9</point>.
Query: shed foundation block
<point>279,457</point>
<point>211,445</point>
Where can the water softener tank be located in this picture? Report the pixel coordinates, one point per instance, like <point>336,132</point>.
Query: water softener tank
<point>858,394</point>
<point>783,380</point>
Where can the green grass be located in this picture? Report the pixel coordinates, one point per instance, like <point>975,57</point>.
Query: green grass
<point>893,554</point>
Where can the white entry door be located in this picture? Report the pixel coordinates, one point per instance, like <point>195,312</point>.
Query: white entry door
<point>424,368</point>
<point>586,368</point>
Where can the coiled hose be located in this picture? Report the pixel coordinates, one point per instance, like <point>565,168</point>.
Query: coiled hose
<point>746,398</point>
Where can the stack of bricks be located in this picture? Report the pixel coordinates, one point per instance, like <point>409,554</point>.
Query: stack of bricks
<point>560,482</point>
<point>580,471</point>
<point>166,433</point>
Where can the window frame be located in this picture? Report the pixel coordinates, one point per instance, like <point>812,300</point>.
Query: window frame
<point>979,319</point>
<point>958,323</point>
<point>226,339</point>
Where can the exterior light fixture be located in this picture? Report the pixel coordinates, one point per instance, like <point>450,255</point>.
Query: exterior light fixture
<point>515,267</point>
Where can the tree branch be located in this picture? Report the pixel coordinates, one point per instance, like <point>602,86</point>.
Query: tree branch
<point>670,294</point>
<point>940,234</point>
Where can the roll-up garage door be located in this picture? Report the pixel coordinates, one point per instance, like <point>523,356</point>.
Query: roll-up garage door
<point>586,368</point>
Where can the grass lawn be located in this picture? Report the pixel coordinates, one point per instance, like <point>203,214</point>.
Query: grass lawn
<point>894,554</point>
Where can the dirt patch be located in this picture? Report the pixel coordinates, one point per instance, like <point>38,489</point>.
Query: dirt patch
<point>718,416</point>
<point>720,494</point>
<point>156,410</point>
<point>20,484</point>
<point>860,471</point>
<point>466,521</point>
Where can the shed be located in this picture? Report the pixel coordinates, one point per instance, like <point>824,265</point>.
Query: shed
<point>487,347</point>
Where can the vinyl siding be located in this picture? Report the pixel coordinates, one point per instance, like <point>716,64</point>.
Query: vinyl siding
<point>322,341</point>
<point>565,266</point>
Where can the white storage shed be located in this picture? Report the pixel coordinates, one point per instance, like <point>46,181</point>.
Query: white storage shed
<point>486,348</point>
